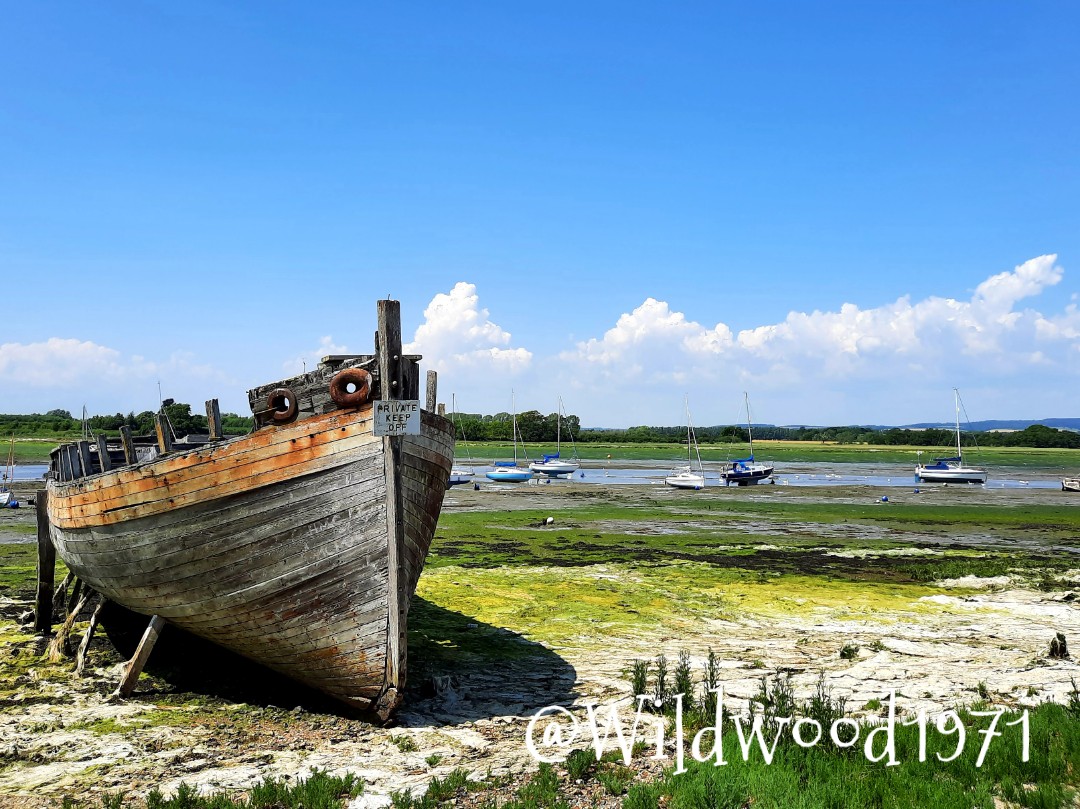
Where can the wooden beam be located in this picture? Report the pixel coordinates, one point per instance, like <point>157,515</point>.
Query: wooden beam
<point>410,383</point>
<point>213,419</point>
<point>389,347</point>
<point>432,390</point>
<point>130,456</point>
<point>64,463</point>
<point>164,434</point>
<point>388,341</point>
<point>85,458</point>
<point>103,453</point>
<point>43,607</point>
<point>133,668</point>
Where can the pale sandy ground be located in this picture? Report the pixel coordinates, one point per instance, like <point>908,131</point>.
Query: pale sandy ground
<point>994,633</point>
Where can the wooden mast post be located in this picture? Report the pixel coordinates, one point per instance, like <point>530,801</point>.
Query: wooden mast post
<point>391,382</point>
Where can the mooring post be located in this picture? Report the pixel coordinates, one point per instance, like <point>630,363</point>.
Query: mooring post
<point>164,433</point>
<point>129,445</point>
<point>133,668</point>
<point>43,607</point>
<point>213,419</point>
<point>432,390</point>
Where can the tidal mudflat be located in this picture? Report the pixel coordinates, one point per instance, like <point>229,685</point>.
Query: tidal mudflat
<point>948,597</point>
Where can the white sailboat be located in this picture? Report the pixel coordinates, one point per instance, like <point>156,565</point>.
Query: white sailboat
<point>6,495</point>
<point>686,477</point>
<point>746,471</point>
<point>950,470</point>
<point>459,474</point>
<point>509,471</point>
<point>553,465</point>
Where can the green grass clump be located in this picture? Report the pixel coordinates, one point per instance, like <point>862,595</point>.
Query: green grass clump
<point>438,792</point>
<point>823,777</point>
<point>319,791</point>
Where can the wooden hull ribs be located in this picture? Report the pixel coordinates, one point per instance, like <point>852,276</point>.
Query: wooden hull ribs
<point>298,546</point>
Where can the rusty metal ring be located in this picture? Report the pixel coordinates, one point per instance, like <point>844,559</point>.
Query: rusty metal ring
<point>282,402</point>
<point>339,387</point>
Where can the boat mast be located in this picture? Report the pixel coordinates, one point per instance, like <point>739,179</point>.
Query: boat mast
<point>513,416</point>
<point>749,429</point>
<point>956,399</point>
<point>686,404</point>
<point>558,429</point>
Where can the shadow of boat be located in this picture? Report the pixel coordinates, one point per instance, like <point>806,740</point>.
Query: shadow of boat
<point>460,669</point>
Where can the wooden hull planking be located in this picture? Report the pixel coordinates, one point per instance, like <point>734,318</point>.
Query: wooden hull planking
<point>277,545</point>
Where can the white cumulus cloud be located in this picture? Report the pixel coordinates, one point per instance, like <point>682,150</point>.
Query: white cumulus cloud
<point>896,345</point>
<point>458,339</point>
<point>67,373</point>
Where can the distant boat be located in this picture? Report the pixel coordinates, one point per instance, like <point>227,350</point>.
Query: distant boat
<point>1070,485</point>
<point>459,475</point>
<point>6,496</point>
<point>509,471</point>
<point>746,471</point>
<point>950,470</point>
<point>686,477</point>
<point>553,465</point>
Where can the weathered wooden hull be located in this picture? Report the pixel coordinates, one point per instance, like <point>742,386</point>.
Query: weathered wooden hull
<point>287,545</point>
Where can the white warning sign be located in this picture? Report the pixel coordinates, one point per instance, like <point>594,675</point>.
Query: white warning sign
<point>397,417</point>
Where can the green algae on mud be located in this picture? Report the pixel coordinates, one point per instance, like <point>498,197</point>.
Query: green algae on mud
<point>565,606</point>
<point>859,542</point>
<point>18,570</point>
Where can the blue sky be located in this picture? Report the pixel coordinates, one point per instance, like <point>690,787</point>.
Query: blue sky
<point>619,204</point>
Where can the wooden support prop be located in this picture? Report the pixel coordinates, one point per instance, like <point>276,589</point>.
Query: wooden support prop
<point>46,573</point>
<point>103,453</point>
<point>85,458</point>
<point>60,646</point>
<point>164,434</point>
<point>80,658</point>
<point>133,668</point>
<point>432,390</point>
<point>76,591</point>
<point>390,375</point>
<point>130,456</point>
<point>60,595</point>
<point>213,419</point>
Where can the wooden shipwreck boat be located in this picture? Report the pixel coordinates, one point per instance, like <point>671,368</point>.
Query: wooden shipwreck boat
<point>298,545</point>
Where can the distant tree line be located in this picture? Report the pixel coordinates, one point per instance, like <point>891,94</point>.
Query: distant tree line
<point>61,423</point>
<point>536,428</point>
